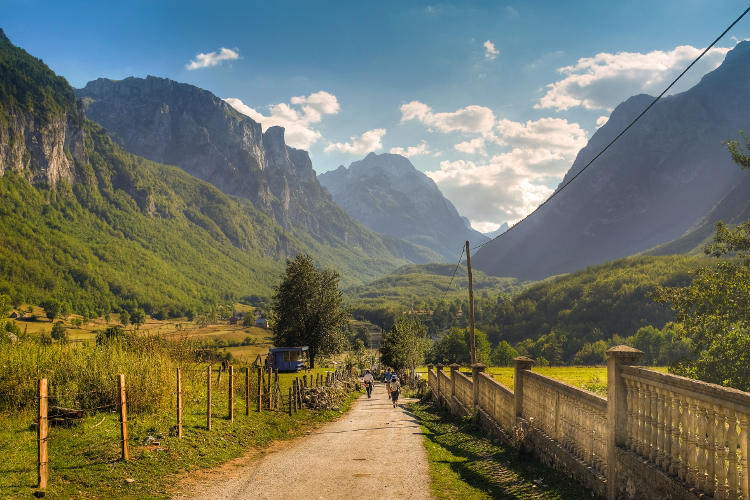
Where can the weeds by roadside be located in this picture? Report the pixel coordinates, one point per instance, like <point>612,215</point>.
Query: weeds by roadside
<point>464,464</point>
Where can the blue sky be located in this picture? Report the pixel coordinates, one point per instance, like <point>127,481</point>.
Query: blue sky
<point>472,91</point>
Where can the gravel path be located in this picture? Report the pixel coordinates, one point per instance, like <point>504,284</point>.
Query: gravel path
<point>375,451</point>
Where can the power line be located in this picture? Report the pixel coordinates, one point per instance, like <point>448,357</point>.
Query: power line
<point>460,257</point>
<point>656,99</point>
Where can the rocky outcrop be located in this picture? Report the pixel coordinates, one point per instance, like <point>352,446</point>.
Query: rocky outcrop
<point>386,193</point>
<point>656,182</point>
<point>183,125</point>
<point>40,138</point>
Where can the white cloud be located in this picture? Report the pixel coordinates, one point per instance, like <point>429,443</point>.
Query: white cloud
<point>366,143</point>
<point>510,184</point>
<point>490,52</point>
<point>471,119</point>
<point>554,134</point>
<point>603,81</point>
<point>419,150</point>
<point>474,146</point>
<point>601,121</point>
<point>297,117</point>
<point>213,58</point>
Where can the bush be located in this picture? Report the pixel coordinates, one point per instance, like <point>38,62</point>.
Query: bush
<point>59,332</point>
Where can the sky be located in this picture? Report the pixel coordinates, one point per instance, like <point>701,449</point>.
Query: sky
<point>491,99</point>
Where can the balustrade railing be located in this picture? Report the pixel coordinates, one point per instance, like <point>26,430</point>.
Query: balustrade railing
<point>576,419</point>
<point>695,431</point>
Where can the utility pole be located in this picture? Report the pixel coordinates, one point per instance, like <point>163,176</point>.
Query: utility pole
<point>472,341</point>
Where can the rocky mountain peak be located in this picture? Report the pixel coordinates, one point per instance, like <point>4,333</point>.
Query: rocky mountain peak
<point>388,194</point>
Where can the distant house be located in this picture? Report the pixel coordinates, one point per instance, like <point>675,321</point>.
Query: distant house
<point>288,359</point>
<point>261,322</point>
<point>14,315</point>
<point>237,319</point>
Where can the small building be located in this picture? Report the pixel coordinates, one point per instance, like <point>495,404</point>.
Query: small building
<point>237,318</point>
<point>288,359</point>
<point>261,322</point>
<point>15,315</point>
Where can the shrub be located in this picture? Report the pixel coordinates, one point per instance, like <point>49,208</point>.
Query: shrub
<point>59,332</point>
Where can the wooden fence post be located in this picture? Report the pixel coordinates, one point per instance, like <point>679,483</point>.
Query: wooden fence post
<point>123,419</point>
<point>270,389</point>
<point>304,380</point>
<point>276,391</point>
<point>617,409</point>
<point>260,388</point>
<point>230,399</point>
<point>290,401</point>
<point>247,390</point>
<point>179,402</point>
<point>300,392</point>
<point>208,398</point>
<point>42,433</point>
<point>294,394</point>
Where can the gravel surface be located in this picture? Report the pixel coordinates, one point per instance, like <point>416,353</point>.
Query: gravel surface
<point>375,451</point>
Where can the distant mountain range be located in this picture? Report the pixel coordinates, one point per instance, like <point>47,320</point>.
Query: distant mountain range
<point>89,223</point>
<point>668,179</point>
<point>183,125</point>
<point>497,232</point>
<point>388,194</point>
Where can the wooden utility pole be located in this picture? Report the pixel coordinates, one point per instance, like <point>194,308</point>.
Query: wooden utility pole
<point>472,340</point>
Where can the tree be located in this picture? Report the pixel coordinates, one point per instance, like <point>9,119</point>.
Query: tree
<point>138,317</point>
<point>307,309</point>
<point>714,309</point>
<point>124,317</point>
<point>360,353</point>
<point>406,344</point>
<point>454,347</point>
<point>503,354</point>
<point>59,332</point>
<point>52,308</point>
<point>5,306</point>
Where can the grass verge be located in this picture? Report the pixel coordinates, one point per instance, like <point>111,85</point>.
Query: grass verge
<point>84,460</point>
<point>466,465</point>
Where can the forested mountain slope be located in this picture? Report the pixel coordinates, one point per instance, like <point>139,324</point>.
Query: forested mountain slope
<point>84,221</point>
<point>180,124</point>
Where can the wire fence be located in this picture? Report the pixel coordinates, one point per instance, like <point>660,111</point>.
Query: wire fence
<point>218,392</point>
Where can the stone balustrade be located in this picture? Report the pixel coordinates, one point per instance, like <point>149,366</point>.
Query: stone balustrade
<point>656,435</point>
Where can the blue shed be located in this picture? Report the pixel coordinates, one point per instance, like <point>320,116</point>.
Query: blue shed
<point>288,359</point>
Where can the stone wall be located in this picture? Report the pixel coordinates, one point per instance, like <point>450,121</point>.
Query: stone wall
<point>655,436</point>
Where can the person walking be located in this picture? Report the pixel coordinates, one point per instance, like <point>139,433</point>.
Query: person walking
<point>387,380</point>
<point>395,389</point>
<point>368,381</point>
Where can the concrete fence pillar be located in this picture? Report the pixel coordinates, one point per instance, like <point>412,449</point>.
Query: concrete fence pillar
<point>454,369</point>
<point>476,369</point>
<point>438,370</point>
<point>521,364</point>
<point>617,410</point>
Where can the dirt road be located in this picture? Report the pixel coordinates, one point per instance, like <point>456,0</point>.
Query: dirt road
<point>375,451</point>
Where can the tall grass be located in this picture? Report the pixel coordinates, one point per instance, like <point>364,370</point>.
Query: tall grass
<point>85,375</point>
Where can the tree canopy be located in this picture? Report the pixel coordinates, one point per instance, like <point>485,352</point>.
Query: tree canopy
<point>307,309</point>
<point>714,309</point>
<point>405,344</point>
